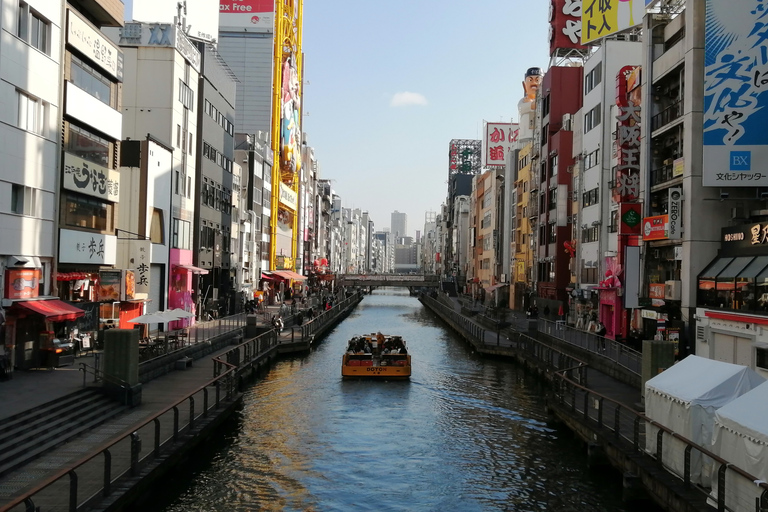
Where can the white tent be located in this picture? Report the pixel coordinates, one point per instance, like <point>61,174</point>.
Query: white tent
<point>684,399</point>
<point>741,437</point>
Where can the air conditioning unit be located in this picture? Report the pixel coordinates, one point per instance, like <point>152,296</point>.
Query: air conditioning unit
<point>672,290</point>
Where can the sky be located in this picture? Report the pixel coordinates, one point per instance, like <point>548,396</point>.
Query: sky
<point>388,84</point>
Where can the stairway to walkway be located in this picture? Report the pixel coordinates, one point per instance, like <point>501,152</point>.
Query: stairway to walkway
<point>35,432</point>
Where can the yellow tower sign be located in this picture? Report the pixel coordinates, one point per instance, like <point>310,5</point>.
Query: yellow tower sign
<point>286,133</point>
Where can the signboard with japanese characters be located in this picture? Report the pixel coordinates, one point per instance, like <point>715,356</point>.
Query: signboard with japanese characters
<point>630,218</point>
<point>498,141</point>
<point>87,247</point>
<point>745,240</point>
<point>656,228</point>
<point>139,251</point>
<point>735,100</point>
<point>90,178</point>
<point>94,45</point>
<point>200,17</point>
<point>601,18</point>
<point>22,283</point>
<point>288,197</point>
<point>564,25</point>
<point>628,120</point>
<point>160,34</point>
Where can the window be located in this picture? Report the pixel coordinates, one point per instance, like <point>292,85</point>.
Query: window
<point>590,234</point>
<point>23,200</point>
<point>88,146</point>
<point>593,78</point>
<point>31,113</point>
<point>186,96</point>
<point>190,143</point>
<point>552,200</point>
<point>33,28</point>
<point>613,227</point>
<point>181,232</point>
<point>486,244</point>
<point>91,81</point>
<point>590,197</point>
<point>257,192</point>
<point>87,212</point>
<point>178,135</point>
<point>592,159</point>
<point>762,357</point>
<point>592,118</point>
<point>552,232</point>
<point>156,232</point>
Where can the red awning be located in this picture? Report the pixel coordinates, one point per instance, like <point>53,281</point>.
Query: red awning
<point>54,310</point>
<point>289,274</point>
<point>267,277</point>
<point>73,276</point>
<point>192,268</point>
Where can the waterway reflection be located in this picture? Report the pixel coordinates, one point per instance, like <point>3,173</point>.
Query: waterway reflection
<point>465,434</point>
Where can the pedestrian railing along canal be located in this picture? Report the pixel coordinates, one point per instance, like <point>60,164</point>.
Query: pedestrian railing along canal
<point>466,327</point>
<point>668,449</point>
<point>95,477</point>
<point>616,351</point>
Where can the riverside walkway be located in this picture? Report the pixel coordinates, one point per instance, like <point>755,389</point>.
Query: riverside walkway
<point>605,412</point>
<point>106,468</point>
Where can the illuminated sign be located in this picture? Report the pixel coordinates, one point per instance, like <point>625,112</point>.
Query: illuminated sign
<point>90,178</point>
<point>22,283</point>
<point>675,209</point>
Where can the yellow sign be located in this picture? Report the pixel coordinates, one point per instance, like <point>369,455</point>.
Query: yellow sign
<point>283,263</point>
<point>601,18</point>
<point>678,167</point>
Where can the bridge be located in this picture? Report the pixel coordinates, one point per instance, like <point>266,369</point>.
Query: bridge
<point>399,280</point>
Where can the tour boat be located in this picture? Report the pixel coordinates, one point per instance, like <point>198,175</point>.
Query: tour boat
<point>376,356</point>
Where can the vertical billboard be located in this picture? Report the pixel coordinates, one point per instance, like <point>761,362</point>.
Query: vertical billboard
<point>290,128</point>
<point>601,18</point>
<point>498,141</point>
<point>200,17</point>
<point>628,137</point>
<point>564,25</point>
<point>735,99</point>
<point>247,14</point>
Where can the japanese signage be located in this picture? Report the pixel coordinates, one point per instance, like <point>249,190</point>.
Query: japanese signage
<point>160,34</point>
<point>656,290</point>
<point>735,80</point>
<point>94,45</point>
<point>87,247</point>
<point>464,156</point>
<point>656,228</point>
<point>499,139</point>
<point>630,216</point>
<point>283,263</point>
<point>564,25</point>
<point>91,179</point>
<point>288,197</point>
<point>600,18</point>
<point>290,125</point>
<point>628,168</point>
<point>747,239</point>
<point>139,251</point>
<point>22,283</point>
<point>675,209</point>
<point>245,14</point>
<point>201,20</point>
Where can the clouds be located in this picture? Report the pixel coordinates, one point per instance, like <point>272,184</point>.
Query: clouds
<point>406,99</point>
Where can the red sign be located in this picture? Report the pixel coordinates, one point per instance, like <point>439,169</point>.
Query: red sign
<point>564,25</point>
<point>22,283</point>
<point>656,290</point>
<point>656,228</point>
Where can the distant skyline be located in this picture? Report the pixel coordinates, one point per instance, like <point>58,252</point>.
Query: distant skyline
<point>387,85</point>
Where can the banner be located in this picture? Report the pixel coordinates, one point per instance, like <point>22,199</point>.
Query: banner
<point>601,18</point>
<point>246,14</point>
<point>656,228</point>
<point>735,80</point>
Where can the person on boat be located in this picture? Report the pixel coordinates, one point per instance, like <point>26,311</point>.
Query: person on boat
<point>403,350</point>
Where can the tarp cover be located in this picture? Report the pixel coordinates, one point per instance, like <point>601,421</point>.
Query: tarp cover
<point>741,437</point>
<point>684,399</point>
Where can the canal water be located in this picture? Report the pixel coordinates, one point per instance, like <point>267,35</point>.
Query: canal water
<point>464,434</point>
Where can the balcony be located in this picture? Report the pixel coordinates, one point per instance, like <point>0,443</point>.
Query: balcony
<point>661,175</point>
<point>666,116</point>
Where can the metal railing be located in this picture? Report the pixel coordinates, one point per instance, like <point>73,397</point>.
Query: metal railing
<point>125,457</point>
<point>313,326</point>
<point>627,425</point>
<point>466,327</point>
<point>616,351</point>
<point>666,116</point>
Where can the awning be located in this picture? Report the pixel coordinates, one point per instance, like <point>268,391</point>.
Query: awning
<point>495,286</point>
<point>289,274</point>
<point>53,310</point>
<point>74,276</point>
<point>193,269</point>
<point>267,277</point>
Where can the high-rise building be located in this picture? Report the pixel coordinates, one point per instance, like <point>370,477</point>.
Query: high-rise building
<point>399,225</point>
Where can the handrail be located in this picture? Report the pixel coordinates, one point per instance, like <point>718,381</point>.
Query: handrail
<point>106,376</point>
<point>104,447</point>
<point>561,374</point>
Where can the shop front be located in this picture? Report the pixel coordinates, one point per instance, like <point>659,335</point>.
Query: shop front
<point>182,285</point>
<point>732,299</point>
